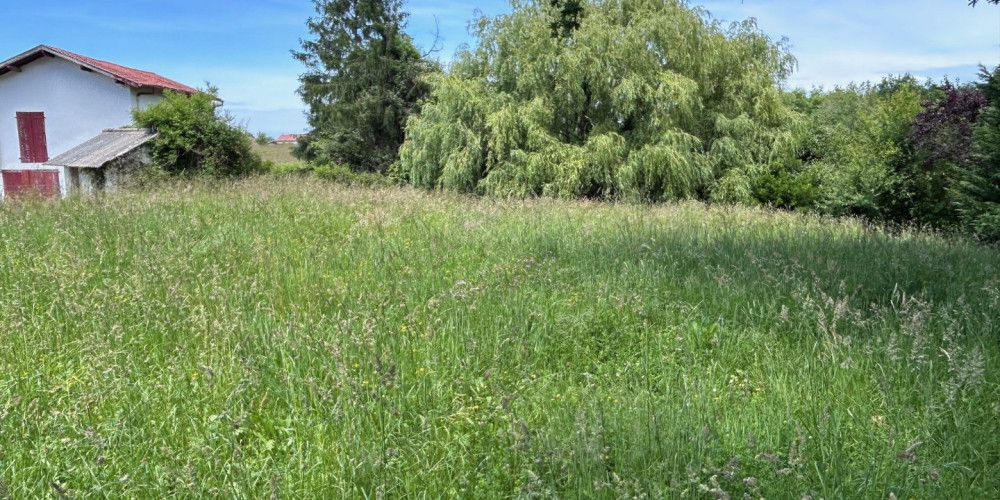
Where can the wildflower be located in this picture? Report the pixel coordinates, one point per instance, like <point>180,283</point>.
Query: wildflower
<point>934,474</point>
<point>908,454</point>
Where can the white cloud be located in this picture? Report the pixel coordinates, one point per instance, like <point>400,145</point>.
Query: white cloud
<point>856,40</point>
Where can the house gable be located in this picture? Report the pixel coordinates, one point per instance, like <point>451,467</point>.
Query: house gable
<point>76,105</point>
<point>124,75</point>
<point>77,96</point>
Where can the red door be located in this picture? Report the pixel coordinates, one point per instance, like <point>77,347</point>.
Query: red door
<point>21,182</point>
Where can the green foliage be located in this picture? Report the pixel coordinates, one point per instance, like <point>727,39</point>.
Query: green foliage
<point>789,189</point>
<point>855,139</point>
<point>286,338</point>
<point>340,174</point>
<point>195,139</point>
<point>290,168</point>
<point>897,151</point>
<point>364,79</point>
<point>980,202</point>
<point>607,98</point>
<point>928,187</point>
<point>568,18</point>
<point>263,139</point>
<point>344,175</point>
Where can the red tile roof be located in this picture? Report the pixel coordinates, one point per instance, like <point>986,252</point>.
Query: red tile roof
<point>128,76</point>
<point>288,138</point>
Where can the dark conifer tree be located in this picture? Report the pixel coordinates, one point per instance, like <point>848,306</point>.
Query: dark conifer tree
<point>981,205</point>
<point>363,80</point>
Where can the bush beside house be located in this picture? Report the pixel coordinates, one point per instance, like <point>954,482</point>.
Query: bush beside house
<point>194,138</point>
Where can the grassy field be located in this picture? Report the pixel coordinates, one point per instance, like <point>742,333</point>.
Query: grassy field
<point>278,338</point>
<point>279,154</point>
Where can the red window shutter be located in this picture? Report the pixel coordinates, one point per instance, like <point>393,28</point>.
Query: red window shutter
<point>20,182</point>
<point>45,182</point>
<point>31,132</point>
<point>15,181</point>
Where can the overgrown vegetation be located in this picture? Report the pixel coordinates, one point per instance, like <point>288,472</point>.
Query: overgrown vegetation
<point>291,339</point>
<point>364,79</point>
<point>647,101</point>
<point>854,140</point>
<point>275,337</point>
<point>608,99</point>
<point>980,183</point>
<point>262,139</point>
<point>898,151</point>
<point>195,139</point>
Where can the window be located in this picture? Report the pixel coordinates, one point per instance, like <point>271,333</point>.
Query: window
<point>31,132</point>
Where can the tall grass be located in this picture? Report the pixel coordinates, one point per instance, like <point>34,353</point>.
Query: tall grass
<point>284,339</point>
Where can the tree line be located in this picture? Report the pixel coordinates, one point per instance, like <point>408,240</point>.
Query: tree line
<point>646,100</point>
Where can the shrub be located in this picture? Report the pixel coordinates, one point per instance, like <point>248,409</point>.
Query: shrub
<point>194,138</point>
<point>856,143</point>
<point>262,138</point>
<point>344,175</point>
<point>788,189</point>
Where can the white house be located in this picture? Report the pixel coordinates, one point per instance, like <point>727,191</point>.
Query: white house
<point>56,112</point>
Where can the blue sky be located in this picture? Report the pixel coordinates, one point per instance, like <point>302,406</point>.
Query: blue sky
<point>243,47</point>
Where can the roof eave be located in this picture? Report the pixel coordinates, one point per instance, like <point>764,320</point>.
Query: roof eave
<point>46,50</point>
<point>19,61</point>
<point>13,62</point>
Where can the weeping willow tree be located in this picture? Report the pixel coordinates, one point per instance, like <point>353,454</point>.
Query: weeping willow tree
<point>645,99</point>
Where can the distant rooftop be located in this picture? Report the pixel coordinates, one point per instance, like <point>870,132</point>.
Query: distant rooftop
<point>288,138</point>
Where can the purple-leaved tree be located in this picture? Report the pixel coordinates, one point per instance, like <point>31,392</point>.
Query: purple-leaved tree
<point>941,138</point>
<point>943,131</point>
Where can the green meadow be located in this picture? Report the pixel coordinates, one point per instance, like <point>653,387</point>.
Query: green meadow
<point>283,338</point>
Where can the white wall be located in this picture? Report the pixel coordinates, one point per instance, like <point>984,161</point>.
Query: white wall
<point>145,97</point>
<point>77,104</point>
